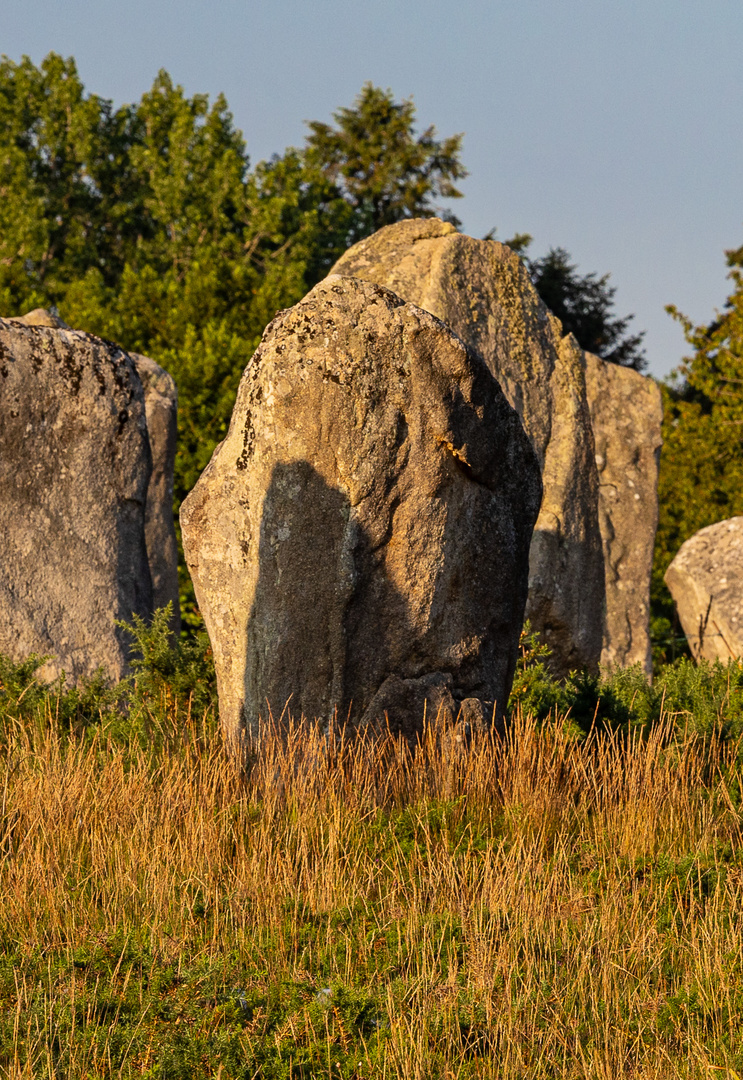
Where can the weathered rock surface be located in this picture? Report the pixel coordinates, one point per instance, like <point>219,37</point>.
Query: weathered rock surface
<point>161,410</point>
<point>626,414</point>
<point>482,291</point>
<point>75,464</point>
<point>41,317</point>
<point>403,703</point>
<point>706,582</point>
<point>367,519</point>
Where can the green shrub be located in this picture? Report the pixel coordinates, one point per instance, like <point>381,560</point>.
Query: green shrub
<point>23,697</point>
<point>182,669</point>
<point>172,683</point>
<point>704,698</point>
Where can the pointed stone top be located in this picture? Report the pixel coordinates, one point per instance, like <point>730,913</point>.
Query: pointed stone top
<point>42,317</point>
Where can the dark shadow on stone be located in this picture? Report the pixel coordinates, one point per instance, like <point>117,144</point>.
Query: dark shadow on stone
<point>570,623</point>
<point>327,626</point>
<point>133,574</point>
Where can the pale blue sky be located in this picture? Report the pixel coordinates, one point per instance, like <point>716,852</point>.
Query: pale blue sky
<point>612,129</point>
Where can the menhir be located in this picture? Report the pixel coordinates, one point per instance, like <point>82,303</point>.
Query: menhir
<point>594,426</point>
<point>359,543</point>
<point>706,581</point>
<point>87,441</point>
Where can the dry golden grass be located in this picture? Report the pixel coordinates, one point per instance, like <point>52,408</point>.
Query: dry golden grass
<point>532,907</point>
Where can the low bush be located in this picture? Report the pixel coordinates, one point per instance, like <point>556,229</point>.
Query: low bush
<point>706,698</point>
<point>172,682</point>
<point>561,902</point>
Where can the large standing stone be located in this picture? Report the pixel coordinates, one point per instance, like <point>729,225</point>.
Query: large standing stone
<point>626,414</point>
<point>706,582</point>
<point>75,463</point>
<point>481,290</point>
<point>360,539</point>
<point>161,412</point>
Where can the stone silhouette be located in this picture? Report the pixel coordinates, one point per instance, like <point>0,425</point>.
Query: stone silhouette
<point>706,582</point>
<point>367,519</point>
<point>86,519</point>
<point>482,291</point>
<point>626,415</point>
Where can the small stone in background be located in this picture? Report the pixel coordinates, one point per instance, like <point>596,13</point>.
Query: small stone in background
<point>161,409</point>
<point>706,583</point>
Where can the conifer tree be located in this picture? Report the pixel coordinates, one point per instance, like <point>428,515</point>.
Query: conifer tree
<point>584,305</point>
<point>379,166</point>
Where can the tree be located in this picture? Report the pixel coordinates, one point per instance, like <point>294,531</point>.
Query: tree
<point>701,470</point>
<point>70,199</point>
<point>584,305</point>
<point>185,291</point>
<point>381,169</point>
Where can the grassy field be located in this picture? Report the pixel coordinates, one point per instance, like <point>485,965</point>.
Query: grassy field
<point>549,905</point>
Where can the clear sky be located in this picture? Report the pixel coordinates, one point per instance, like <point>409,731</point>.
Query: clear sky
<point>611,129</point>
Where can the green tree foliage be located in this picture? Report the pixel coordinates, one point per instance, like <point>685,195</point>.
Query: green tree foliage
<point>70,198</point>
<point>701,473</point>
<point>184,295</point>
<point>704,698</point>
<point>146,225</point>
<point>384,172</point>
<point>584,305</point>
